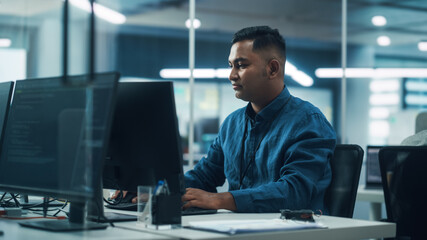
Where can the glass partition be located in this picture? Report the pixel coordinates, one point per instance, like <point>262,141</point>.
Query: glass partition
<point>30,39</point>
<point>388,63</point>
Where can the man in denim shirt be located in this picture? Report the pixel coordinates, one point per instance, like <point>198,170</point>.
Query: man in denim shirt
<point>274,152</point>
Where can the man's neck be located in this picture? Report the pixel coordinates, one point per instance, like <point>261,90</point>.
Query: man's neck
<point>258,106</point>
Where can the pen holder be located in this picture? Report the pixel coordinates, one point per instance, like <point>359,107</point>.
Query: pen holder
<point>166,209</point>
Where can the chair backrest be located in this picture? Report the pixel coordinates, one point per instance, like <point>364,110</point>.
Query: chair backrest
<point>346,165</point>
<point>404,177</point>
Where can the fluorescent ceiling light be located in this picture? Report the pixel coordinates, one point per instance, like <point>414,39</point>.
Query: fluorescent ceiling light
<point>372,72</point>
<point>379,113</point>
<point>384,99</point>
<point>385,85</point>
<point>185,73</point>
<point>422,46</point>
<point>196,23</point>
<point>297,75</point>
<point>135,79</point>
<point>100,11</point>
<point>5,42</point>
<point>415,99</point>
<point>222,72</point>
<point>383,41</point>
<point>379,21</point>
<point>415,86</point>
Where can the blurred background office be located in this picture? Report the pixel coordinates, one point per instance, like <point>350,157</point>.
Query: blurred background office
<point>382,44</point>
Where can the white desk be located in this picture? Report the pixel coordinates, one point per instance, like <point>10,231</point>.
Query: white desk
<point>338,228</point>
<point>13,231</point>
<point>375,197</point>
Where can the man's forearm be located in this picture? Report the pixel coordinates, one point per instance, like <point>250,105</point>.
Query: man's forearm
<point>226,201</point>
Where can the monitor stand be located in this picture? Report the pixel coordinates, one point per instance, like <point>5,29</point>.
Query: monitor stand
<point>74,223</point>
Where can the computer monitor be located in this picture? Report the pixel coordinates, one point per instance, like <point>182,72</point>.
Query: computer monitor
<point>55,141</point>
<point>6,89</point>
<point>145,142</point>
<point>373,173</point>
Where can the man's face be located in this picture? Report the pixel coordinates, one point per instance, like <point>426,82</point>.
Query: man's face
<point>248,71</point>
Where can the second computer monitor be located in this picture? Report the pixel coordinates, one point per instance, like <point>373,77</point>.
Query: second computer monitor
<point>373,173</point>
<point>145,142</point>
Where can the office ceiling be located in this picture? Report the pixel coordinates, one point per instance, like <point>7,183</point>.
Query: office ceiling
<point>306,20</point>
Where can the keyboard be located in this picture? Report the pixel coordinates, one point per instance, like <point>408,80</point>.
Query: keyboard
<point>197,211</point>
<point>186,212</point>
<point>126,206</point>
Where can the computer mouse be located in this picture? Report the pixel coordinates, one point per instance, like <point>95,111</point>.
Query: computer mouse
<point>128,197</point>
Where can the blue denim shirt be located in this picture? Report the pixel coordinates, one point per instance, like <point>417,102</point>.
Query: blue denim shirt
<point>287,147</point>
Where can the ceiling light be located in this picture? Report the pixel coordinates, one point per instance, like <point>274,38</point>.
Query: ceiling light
<point>196,23</point>
<point>222,72</point>
<point>379,21</point>
<point>384,99</point>
<point>185,73</point>
<point>383,41</point>
<point>100,11</point>
<point>416,86</point>
<point>5,42</point>
<point>372,72</point>
<point>297,75</point>
<point>392,85</point>
<point>416,99</point>
<point>422,46</point>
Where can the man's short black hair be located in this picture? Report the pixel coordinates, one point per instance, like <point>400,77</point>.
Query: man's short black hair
<point>263,37</point>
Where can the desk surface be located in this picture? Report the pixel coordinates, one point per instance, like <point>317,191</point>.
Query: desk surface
<point>13,231</point>
<point>338,228</point>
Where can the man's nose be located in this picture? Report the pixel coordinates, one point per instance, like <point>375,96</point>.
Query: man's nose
<point>233,75</point>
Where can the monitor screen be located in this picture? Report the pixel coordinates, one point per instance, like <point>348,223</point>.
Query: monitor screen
<point>373,173</point>
<point>145,142</point>
<point>55,136</point>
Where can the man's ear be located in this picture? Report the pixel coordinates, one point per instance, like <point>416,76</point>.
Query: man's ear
<point>274,68</point>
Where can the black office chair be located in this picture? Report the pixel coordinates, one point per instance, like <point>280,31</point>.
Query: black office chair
<point>404,178</point>
<point>346,165</point>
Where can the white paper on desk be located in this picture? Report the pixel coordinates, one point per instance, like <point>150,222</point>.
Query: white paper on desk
<point>246,226</point>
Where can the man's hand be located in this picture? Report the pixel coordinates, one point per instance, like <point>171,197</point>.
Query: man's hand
<point>117,195</point>
<point>198,198</point>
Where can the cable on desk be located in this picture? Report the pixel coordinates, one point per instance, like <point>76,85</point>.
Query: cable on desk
<point>7,202</point>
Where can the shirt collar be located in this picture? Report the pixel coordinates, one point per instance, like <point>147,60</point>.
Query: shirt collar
<point>269,111</point>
